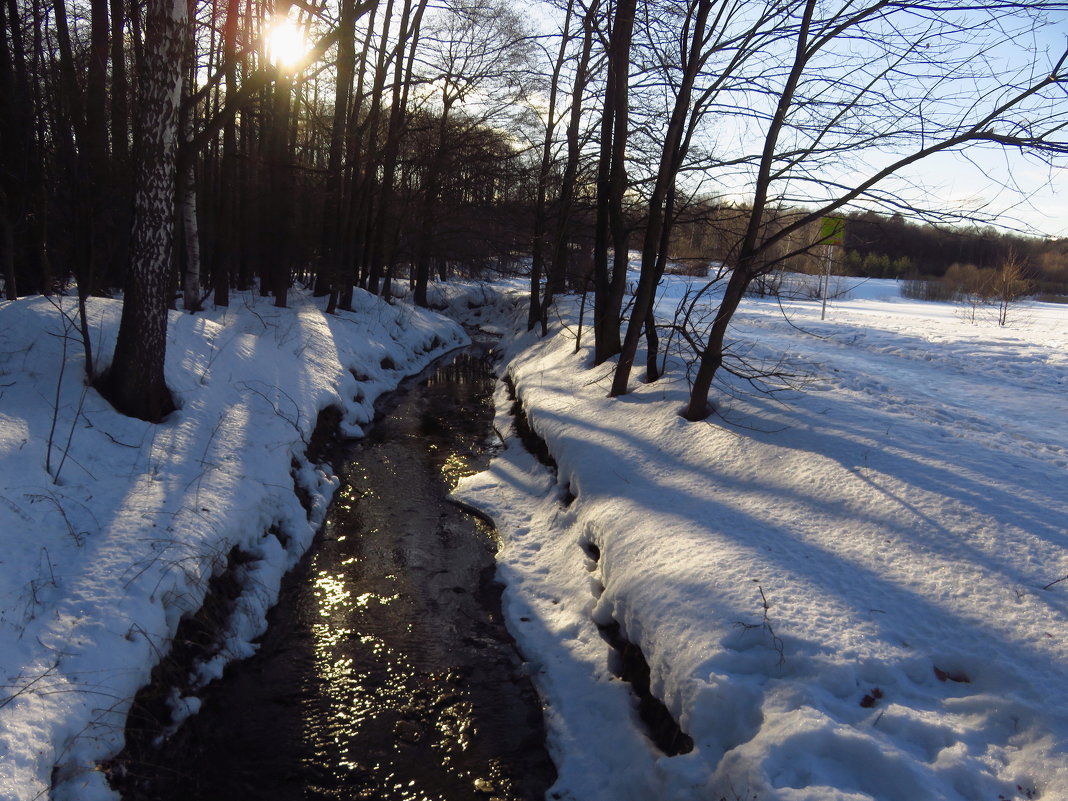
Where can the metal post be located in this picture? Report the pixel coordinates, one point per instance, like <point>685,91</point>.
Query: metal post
<point>827,251</point>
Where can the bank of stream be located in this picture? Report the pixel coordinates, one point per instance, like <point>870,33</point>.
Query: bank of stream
<point>386,671</point>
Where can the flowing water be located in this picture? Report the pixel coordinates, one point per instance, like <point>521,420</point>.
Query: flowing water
<point>386,672</point>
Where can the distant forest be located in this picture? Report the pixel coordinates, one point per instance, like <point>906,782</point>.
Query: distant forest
<point>892,247</point>
<point>874,246</point>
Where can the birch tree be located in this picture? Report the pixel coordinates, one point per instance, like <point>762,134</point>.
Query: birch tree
<point>135,384</point>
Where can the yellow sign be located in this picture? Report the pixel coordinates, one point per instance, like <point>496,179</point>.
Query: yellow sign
<point>832,231</point>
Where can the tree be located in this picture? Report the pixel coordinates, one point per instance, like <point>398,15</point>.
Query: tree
<point>563,246</point>
<point>475,64</point>
<point>383,235</point>
<point>700,38</point>
<point>135,384</point>
<point>612,226</point>
<point>187,181</point>
<point>332,271</point>
<point>1008,285</point>
<point>834,103</point>
<point>537,257</point>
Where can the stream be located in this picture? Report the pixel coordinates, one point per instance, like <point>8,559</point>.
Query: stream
<point>386,672</point>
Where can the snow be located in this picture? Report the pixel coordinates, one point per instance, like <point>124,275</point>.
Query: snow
<point>900,514</point>
<point>843,592</point>
<point>100,565</point>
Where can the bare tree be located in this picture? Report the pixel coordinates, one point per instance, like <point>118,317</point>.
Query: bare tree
<point>537,257</point>
<point>384,230</point>
<point>475,65</point>
<point>1008,285</point>
<point>924,90</point>
<point>612,226</point>
<point>702,34</point>
<point>332,268</point>
<point>563,246</point>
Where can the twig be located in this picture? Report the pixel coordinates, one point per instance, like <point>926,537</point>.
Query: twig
<point>55,404</point>
<point>5,701</point>
<point>51,570</point>
<point>77,536</point>
<point>776,641</point>
<point>135,447</point>
<point>70,436</point>
<point>1058,581</point>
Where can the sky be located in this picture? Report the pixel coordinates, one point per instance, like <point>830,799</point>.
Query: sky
<point>1024,192</point>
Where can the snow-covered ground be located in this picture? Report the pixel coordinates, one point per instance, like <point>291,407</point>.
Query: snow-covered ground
<point>105,550</point>
<point>845,593</point>
<point>840,592</point>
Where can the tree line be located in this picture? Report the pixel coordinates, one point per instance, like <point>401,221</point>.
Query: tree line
<point>881,246</point>
<point>893,247</point>
<point>171,148</point>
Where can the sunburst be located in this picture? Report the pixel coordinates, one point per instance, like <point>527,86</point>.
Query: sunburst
<point>285,43</point>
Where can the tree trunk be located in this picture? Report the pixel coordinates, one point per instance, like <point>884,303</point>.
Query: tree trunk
<point>136,384</point>
<point>535,312</point>
<point>332,269</point>
<point>367,195</point>
<point>277,258</point>
<point>556,281</point>
<point>611,186</point>
<point>712,357</point>
<point>652,341</point>
<point>191,238</point>
<point>120,112</point>
<point>121,175</point>
<point>93,150</point>
<point>747,265</point>
<point>7,249</point>
<point>658,227</point>
<point>11,134</point>
<point>430,196</point>
<point>187,186</point>
<point>35,136</point>
<point>228,229</point>
<point>384,235</point>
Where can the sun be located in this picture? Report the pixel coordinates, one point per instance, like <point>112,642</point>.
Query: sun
<point>285,43</point>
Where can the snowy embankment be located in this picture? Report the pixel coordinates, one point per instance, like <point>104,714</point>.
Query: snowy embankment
<point>109,547</point>
<point>848,594</point>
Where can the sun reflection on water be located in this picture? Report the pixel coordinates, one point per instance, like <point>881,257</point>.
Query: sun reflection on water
<point>331,592</point>
<point>454,468</point>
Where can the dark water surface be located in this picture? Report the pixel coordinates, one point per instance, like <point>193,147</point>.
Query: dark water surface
<point>386,672</point>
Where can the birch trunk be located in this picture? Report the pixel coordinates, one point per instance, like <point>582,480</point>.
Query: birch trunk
<point>191,292</point>
<point>135,384</point>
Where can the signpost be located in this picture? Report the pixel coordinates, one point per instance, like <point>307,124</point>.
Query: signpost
<point>832,235</point>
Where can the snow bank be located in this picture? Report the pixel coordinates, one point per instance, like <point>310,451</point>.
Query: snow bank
<point>108,550</point>
<point>845,595</point>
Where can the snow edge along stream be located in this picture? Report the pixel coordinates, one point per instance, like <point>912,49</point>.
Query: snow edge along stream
<point>143,516</point>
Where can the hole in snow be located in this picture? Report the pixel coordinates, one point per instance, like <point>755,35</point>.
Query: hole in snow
<point>630,665</point>
<point>527,435</point>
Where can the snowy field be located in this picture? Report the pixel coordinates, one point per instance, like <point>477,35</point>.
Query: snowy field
<point>106,549</point>
<point>845,593</point>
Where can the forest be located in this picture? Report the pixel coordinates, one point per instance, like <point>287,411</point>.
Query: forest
<point>173,150</point>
